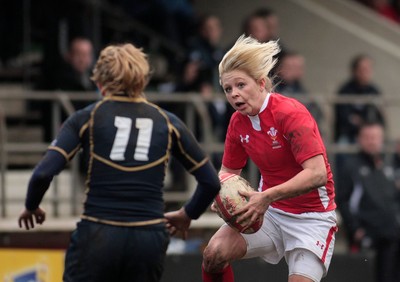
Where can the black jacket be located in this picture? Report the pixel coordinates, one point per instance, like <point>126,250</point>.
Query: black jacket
<point>367,197</point>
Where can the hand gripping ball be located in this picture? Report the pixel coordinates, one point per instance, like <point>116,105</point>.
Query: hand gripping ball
<point>229,200</point>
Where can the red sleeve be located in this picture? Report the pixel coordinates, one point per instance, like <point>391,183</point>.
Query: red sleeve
<point>301,130</point>
<point>235,157</point>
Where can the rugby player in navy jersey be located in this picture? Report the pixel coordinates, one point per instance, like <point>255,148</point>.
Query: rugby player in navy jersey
<point>123,233</point>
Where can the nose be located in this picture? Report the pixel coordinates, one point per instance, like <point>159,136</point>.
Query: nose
<point>235,93</point>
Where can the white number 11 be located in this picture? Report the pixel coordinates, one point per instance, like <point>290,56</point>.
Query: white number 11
<point>124,126</point>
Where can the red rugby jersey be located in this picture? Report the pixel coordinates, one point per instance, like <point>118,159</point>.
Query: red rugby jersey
<point>265,139</point>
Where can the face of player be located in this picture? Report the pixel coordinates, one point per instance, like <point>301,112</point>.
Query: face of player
<point>245,94</point>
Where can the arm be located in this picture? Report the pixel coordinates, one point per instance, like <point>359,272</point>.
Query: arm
<point>51,164</point>
<point>224,169</point>
<point>187,150</point>
<point>311,177</point>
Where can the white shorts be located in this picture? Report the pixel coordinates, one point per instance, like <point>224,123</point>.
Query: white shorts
<point>284,232</point>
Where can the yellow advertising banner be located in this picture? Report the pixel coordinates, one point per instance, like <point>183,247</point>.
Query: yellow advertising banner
<point>31,265</point>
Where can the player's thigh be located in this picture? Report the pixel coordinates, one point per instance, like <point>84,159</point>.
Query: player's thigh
<point>145,254</point>
<point>93,253</point>
<point>304,266</point>
<point>226,244</point>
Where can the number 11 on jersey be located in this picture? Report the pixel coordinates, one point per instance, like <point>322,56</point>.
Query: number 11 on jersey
<point>124,127</point>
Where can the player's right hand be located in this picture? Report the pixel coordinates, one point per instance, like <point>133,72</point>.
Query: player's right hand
<point>26,218</point>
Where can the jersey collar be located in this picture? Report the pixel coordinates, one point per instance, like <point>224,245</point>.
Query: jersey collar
<point>255,120</point>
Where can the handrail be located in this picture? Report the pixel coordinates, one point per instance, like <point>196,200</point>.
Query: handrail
<point>3,161</point>
<point>195,105</point>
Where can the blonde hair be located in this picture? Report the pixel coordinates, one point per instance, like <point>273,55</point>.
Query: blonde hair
<point>122,69</point>
<point>252,57</point>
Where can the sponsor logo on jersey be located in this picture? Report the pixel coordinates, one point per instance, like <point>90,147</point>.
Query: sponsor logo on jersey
<point>272,132</point>
<point>244,139</point>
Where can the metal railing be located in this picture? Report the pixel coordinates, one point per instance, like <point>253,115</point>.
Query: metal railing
<point>62,101</point>
<point>194,106</point>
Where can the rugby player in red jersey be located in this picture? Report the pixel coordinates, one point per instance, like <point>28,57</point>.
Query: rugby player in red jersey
<point>296,191</point>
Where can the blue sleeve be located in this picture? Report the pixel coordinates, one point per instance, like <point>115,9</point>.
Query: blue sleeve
<point>61,150</point>
<point>189,153</point>
<point>52,164</point>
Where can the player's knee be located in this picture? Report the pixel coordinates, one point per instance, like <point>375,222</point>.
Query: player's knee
<point>213,258</point>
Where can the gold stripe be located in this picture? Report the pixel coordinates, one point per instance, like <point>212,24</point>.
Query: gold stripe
<point>61,151</point>
<point>122,223</point>
<point>193,161</point>
<point>170,130</point>
<point>130,169</point>
<point>83,128</point>
<point>72,154</point>
<point>200,164</point>
<point>125,99</point>
<point>91,146</point>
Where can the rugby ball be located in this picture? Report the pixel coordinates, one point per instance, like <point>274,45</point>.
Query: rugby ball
<point>229,200</point>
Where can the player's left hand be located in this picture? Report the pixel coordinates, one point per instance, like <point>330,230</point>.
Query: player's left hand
<point>26,218</point>
<point>178,221</point>
<point>254,210</point>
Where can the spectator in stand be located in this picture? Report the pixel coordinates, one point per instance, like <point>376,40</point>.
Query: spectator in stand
<point>271,20</point>
<point>369,202</point>
<point>289,76</point>
<point>256,26</point>
<point>205,54</point>
<point>350,116</point>
<point>385,8</point>
<point>74,73</point>
<point>290,72</point>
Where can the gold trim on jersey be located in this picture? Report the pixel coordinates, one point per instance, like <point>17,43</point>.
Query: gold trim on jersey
<point>130,169</point>
<point>194,162</point>
<point>83,128</point>
<point>200,164</point>
<point>123,223</point>
<point>67,156</point>
<point>126,99</point>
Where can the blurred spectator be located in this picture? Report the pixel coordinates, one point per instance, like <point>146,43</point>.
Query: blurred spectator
<point>63,21</point>
<point>289,75</point>
<point>369,203</point>
<point>385,8</point>
<point>350,116</point>
<point>74,72</point>
<point>256,26</point>
<point>205,53</point>
<point>271,20</point>
<point>290,72</point>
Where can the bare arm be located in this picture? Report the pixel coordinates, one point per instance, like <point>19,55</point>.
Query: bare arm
<point>225,169</point>
<point>311,177</point>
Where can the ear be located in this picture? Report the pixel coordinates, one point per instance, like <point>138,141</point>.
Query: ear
<point>262,83</point>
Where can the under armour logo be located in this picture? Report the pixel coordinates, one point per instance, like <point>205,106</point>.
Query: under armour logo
<point>319,244</point>
<point>245,139</point>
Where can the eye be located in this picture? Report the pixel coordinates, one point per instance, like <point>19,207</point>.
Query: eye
<point>228,90</point>
<point>241,85</point>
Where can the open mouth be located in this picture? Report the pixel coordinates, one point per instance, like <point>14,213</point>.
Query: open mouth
<point>239,104</point>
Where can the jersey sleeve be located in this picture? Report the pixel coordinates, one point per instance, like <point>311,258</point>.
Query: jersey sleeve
<point>235,156</point>
<point>68,139</point>
<point>185,147</point>
<point>301,130</point>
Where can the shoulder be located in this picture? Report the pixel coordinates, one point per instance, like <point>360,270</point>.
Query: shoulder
<point>283,104</point>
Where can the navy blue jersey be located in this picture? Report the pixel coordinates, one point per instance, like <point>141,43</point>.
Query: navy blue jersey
<point>128,142</point>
